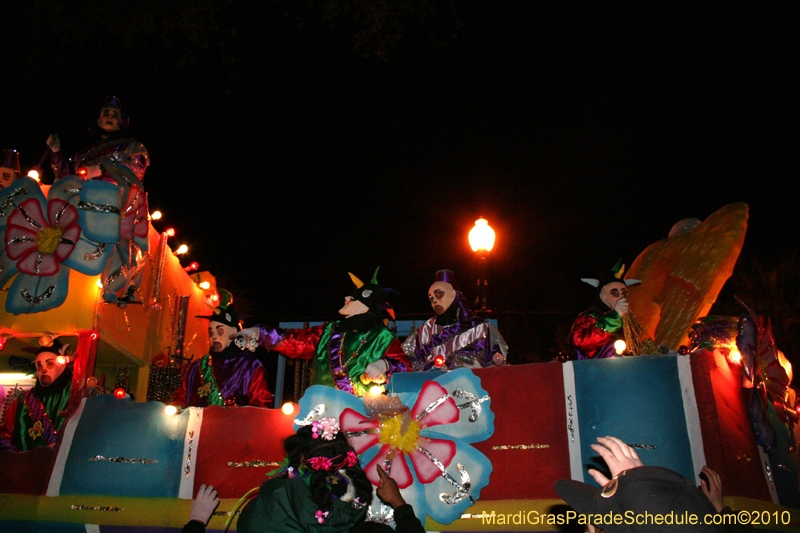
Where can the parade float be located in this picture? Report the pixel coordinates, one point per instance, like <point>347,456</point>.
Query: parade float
<point>476,450</point>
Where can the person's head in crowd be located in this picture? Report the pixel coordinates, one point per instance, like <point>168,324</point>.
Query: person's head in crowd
<point>322,451</point>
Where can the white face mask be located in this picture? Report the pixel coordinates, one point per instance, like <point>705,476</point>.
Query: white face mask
<point>47,369</point>
<point>612,292</point>
<point>219,335</point>
<point>441,295</point>
<point>352,307</point>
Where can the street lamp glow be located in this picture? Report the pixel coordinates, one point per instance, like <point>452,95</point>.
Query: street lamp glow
<point>481,237</point>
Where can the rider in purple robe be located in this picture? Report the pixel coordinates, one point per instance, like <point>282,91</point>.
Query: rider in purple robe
<point>454,337</point>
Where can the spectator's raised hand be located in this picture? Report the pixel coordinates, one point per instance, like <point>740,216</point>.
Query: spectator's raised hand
<point>618,456</point>
<point>388,491</point>
<point>711,485</point>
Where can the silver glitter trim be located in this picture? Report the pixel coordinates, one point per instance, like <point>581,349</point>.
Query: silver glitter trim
<point>123,460</point>
<point>436,403</point>
<point>473,402</point>
<point>100,208</point>
<point>113,276</point>
<point>315,412</point>
<point>188,469</point>
<point>61,213</point>
<point>72,189</point>
<point>67,241</point>
<point>9,200</point>
<point>15,240</point>
<point>462,488</point>
<point>643,446</point>
<point>39,258</point>
<point>226,513</point>
<point>31,221</point>
<point>352,434</point>
<point>570,422</point>
<point>384,516</point>
<point>94,508</point>
<point>253,464</point>
<point>38,299</point>
<point>91,256</point>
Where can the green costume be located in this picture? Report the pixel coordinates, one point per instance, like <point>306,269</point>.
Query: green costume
<point>285,506</point>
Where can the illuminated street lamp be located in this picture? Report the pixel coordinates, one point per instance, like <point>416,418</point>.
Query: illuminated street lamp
<point>481,240</point>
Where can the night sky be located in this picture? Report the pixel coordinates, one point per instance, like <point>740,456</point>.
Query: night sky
<point>290,145</point>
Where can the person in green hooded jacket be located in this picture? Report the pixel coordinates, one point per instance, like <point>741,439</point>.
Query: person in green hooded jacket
<point>323,487</point>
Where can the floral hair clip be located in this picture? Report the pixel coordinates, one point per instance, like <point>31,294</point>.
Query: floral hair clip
<point>350,460</point>
<point>320,463</point>
<point>326,427</point>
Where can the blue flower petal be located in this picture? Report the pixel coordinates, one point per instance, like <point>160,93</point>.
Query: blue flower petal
<point>34,294</point>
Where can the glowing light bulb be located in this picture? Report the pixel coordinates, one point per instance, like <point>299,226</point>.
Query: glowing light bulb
<point>156,215</point>
<point>287,408</point>
<point>62,360</point>
<point>170,410</point>
<point>619,346</point>
<point>82,172</point>
<point>439,361</point>
<point>205,285</point>
<point>182,249</point>
<point>376,390</point>
<point>120,393</point>
<point>170,232</point>
<point>33,173</point>
<point>192,266</point>
<point>99,283</point>
<point>482,236</point>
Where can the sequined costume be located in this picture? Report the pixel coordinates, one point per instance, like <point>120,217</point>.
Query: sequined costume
<point>36,416</point>
<point>340,350</point>
<point>470,342</point>
<point>593,334</point>
<point>230,377</point>
<point>118,148</point>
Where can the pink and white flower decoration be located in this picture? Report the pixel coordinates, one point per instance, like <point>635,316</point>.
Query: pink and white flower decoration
<point>40,244</point>
<point>425,448</point>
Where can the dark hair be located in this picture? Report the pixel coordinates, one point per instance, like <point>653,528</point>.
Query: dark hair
<point>302,446</point>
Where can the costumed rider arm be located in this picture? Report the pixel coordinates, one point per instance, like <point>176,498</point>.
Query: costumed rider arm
<point>590,331</point>
<point>393,360</point>
<point>294,343</point>
<point>7,429</point>
<point>258,394</point>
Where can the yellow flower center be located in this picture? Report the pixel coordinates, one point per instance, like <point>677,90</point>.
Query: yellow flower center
<point>48,240</point>
<point>390,434</point>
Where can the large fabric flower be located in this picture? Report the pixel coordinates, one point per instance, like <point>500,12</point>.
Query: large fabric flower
<point>425,447</point>
<point>38,243</point>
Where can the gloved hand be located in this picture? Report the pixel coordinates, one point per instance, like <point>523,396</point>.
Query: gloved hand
<point>54,143</point>
<point>246,339</point>
<point>377,371</point>
<point>204,504</point>
<point>621,307</point>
